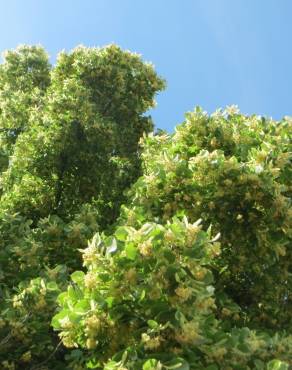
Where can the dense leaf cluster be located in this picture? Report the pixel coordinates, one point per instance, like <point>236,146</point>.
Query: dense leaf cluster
<point>182,298</point>
<point>69,142</point>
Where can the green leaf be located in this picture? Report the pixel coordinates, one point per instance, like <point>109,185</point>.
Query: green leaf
<point>52,285</point>
<point>208,279</point>
<point>72,293</point>
<point>112,365</point>
<point>131,251</point>
<point>93,364</point>
<point>277,365</point>
<point>110,301</point>
<point>179,316</point>
<point>177,364</point>
<point>121,233</point>
<point>59,316</point>
<point>152,324</point>
<point>150,364</point>
<point>82,307</point>
<point>243,348</point>
<point>62,298</point>
<point>260,365</point>
<point>78,277</point>
<point>143,295</point>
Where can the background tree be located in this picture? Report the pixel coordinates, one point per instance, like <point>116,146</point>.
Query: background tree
<point>85,133</point>
<point>69,140</point>
<point>24,79</point>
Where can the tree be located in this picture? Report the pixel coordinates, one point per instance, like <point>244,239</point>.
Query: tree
<point>24,79</point>
<point>196,274</point>
<point>69,149</point>
<point>80,145</point>
<point>190,255</point>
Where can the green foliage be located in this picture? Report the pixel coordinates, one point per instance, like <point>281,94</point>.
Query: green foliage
<point>81,144</point>
<point>69,139</point>
<point>179,298</point>
<point>193,273</point>
<point>24,79</point>
<point>27,340</point>
<point>234,172</point>
<point>142,283</point>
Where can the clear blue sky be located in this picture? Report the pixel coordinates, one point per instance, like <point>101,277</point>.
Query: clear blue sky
<point>212,53</point>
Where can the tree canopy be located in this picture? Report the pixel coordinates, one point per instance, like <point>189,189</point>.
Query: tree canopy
<point>197,272</point>
<point>69,149</point>
<point>125,249</point>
